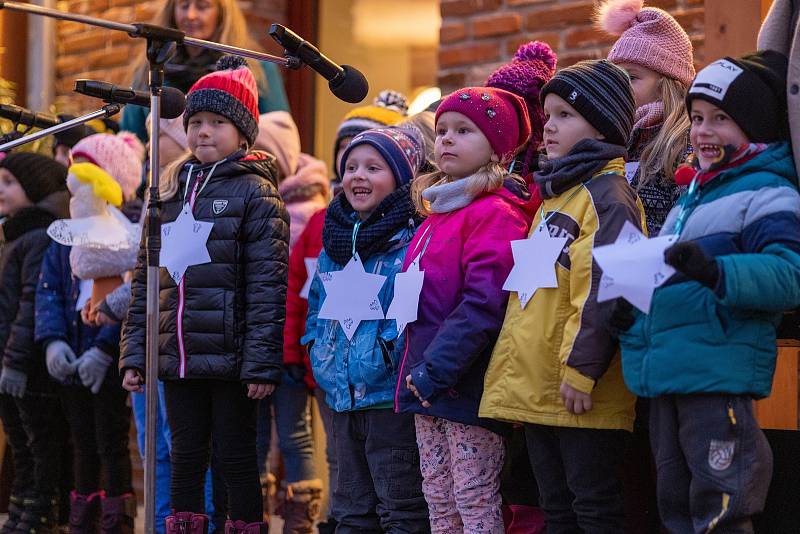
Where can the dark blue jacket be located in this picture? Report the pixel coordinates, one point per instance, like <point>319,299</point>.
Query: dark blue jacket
<point>56,316</point>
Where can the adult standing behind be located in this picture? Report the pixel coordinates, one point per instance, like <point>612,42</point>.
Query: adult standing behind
<point>212,20</point>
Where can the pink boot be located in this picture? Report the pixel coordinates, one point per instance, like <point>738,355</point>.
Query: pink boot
<point>240,527</point>
<point>186,523</point>
<point>521,519</point>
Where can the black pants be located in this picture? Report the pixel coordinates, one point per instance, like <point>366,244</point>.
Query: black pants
<point>578,473</point>
<point>99,425</point>
<point>380,484</point>
<point>713,462</point>
<point>205,412</point>
<point>31,425</point>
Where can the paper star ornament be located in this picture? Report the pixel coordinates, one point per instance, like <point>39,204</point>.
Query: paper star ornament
<point>405,303</point>
<point>534,263</point>
<point>183,244</point>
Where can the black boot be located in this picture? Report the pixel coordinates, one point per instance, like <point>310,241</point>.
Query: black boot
<point>83,512</point>
<point>15,510</point>
<point>118,514</point>
<point>39,516</point>
<point>327,527</point>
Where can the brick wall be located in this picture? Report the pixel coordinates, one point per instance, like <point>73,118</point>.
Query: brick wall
<point>89,52</point>
<point>478,35</point>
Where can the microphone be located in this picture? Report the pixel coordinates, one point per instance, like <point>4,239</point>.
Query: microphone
<point>26,117</point>
<point>346,82</point>
<point>173,102</point>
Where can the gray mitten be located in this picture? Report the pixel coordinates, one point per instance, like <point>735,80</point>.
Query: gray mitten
<point>92,367</point>
<point>60,360</point>
<point>13,382</point>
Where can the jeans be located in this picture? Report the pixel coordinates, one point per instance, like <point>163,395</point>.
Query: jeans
<point>577,470</point>
<point>205,413</point>
<point>380,485</point>
<point>292,420</point>
<point>326,414</point>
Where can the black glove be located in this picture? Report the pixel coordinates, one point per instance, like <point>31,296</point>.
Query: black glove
<point>620,318</point>
<point>689,259</point>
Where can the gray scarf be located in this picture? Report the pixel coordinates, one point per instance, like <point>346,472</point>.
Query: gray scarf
<point>586,158</point>
<point>448,197</point>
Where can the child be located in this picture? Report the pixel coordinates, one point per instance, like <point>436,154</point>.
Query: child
<point>32,195</point>
<point>475,209</point>
<point>368,228</point>
<point>657,54</point>
<point>553,367</point>
<point>94,403</point>
<point>708,347</point>
<point>221,322</point>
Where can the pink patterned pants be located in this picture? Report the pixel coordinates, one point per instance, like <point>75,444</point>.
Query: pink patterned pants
<point>460,476</point>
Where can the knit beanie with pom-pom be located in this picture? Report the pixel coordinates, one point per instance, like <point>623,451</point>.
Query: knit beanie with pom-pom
<point>120,155</point>
<point>648,36</point>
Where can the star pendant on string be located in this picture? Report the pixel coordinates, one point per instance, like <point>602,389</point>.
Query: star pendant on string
<point>534,263</point>
<point>183,244</point>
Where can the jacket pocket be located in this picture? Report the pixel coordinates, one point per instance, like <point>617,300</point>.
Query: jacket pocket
<point>386,351</point>
<point>228,320</point>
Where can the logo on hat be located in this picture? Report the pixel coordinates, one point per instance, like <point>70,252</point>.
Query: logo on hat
<point>219,206</point>
<point>572,96</point>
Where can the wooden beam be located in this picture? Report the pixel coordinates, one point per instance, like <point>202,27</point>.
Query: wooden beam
<point>731,27</point>
<point>13,54</point>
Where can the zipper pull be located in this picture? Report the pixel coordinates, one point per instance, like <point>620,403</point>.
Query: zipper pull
<point>731,415</point>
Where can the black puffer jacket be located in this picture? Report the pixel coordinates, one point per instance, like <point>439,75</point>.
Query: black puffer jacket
<point>25,243</point>
<point>234,307</point>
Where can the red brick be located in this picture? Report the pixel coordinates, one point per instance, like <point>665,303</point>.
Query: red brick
<point>452,32</point>
<point>88,40</point>
<point>563,15</point>
<point>580,36</point>
<point>666,5</point>
<point>459,8</point>
<point>491,25</point>
<point>551,38</point>
<point>109,57</point>
<point>468,53</point>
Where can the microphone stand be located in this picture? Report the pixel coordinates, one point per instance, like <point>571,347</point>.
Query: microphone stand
<point>160,46</point>
<point>17,140</point>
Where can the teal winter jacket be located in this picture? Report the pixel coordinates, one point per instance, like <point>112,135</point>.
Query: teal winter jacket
<point>699,340</point>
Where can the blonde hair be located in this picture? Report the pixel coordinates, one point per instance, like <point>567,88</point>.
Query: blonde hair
<point>231,30</point>
<point>487,178</point>
<point>168,179</point>
<point>663,154</point>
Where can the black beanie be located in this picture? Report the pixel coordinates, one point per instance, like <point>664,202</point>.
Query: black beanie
<point>601,92</point>
<point>38,175</point>
<point>751,89</point>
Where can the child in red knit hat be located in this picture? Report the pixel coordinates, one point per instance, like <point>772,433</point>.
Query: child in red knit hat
<point>225,234</point>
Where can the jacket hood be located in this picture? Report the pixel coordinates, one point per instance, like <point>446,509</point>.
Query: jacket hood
<point>310,171</point>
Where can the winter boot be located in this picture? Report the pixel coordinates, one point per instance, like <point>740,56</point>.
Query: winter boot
<point>15,509</point>
<point>187,523</point>
<point>117,514</point>
<point>301,506</point>
<point>39,516</point>
<point>240,527</point>
<point>83,511</point>
<point>327,527</point>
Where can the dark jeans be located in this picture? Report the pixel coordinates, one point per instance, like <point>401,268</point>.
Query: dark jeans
<point>213,412</point>
<point>577,470</point>
<point>31,425</point>
<point>713,462</point>
<point>380,484</point>
<point>100,426</point>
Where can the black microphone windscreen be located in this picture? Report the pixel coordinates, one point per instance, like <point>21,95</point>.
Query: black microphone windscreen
<point>353,87</point>
<point>173,102</point>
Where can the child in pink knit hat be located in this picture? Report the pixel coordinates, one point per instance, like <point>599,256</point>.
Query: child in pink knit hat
<point>657,54</point>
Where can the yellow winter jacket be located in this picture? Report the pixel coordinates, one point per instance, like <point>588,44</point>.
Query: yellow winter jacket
<point>561,336</point>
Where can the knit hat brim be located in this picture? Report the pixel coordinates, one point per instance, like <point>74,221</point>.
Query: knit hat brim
<point>400,148</point>
<point>225,104</point>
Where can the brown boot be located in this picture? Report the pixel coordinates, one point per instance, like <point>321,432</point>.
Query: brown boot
<point>301,506</point>
<point>186,523</point>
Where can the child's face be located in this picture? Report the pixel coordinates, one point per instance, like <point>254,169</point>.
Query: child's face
<point>564,127</point>
<point>644,82</point>
<point>212,137</point>
<point>12,195</point>
<point>461,148</point>
<point>367,179</point>
<point>711,130</point>
<point>343,142</point>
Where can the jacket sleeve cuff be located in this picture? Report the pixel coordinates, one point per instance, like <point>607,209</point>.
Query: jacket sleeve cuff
<point>422,381</point>
<point>573,378</point>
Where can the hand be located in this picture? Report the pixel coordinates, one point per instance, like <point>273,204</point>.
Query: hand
<point>259,391</point>
<point>132,381</point>
<point>101,319</point>
<point>411,387</point>
<point>621,318</point>
<point>576,402</point>
<point>92,368</point>
<point>60,360</point>
<point>87,315</point>
<point>688,258</point>
<point>13,382</point>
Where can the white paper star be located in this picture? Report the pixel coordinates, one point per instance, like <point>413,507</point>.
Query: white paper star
<point>534,263</point>
<point>351,296</point>
<point>311,270</point>
<point>183,244</point>
<point>407,287</point>
<point>633,267</point>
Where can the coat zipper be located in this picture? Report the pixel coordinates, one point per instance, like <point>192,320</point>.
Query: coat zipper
<point>181,294</point>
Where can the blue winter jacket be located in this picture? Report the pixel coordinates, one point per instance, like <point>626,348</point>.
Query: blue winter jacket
<point>360,373</point>
<point>56,316</point>
<point>698,340</point>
